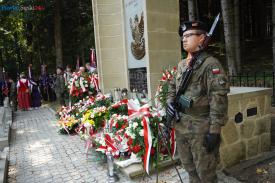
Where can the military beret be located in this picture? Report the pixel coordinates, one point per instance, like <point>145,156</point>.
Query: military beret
<point>192,25</point>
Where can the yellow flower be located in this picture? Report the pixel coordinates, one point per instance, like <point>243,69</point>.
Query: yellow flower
<point>69,124</point>
<point>87,115</point>
<point>91,121</point>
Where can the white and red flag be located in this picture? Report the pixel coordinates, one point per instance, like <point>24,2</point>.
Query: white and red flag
<point>77,62</point>
<point>93,58</point>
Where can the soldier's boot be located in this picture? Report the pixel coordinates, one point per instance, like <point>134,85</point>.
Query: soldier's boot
<point>193,177</point>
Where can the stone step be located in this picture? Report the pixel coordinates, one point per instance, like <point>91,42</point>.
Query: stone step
<point>136,170</point>
<point>234,170</point>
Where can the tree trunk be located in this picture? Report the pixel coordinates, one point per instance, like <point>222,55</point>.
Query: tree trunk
<point>273,33</point>
<point>226,7</point>
<point>237,35</point>
<point>191,10</point>
<point>58,34</point>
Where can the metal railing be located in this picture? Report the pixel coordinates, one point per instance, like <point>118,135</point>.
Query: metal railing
<point>257,79</point>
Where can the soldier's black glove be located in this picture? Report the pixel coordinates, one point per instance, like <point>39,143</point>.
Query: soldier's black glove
<point>170,110</point>
<point>211,141</point>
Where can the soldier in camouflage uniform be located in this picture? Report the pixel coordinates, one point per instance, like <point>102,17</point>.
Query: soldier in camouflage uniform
<point>198,131</point>
<point>59,86</point>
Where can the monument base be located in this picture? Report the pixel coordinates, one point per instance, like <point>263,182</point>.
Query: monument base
<point>136,170</point>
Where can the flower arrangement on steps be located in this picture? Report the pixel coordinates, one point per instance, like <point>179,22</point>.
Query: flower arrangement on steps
<point>125,128</point>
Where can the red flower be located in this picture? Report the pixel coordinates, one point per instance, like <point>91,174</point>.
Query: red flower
<point>116,156</point>
<point>136,148</point>
<point>117,125</point>
<point>163,78</point>
<point>115,105</point>
<point>123,126</point>
<point>124,101</point>
<point>130,142</point>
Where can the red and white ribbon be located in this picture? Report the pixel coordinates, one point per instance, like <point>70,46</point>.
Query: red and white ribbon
<point>118,104</point>
<point>94,81</point>
<point>147,142</point>
<point>111,122</point>
<point>173,142</point>
<point>110,145</point>
<point>135,111</point>
<point>110,142</point>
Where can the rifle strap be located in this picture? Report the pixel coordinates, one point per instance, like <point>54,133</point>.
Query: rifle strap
<point>198,62</point>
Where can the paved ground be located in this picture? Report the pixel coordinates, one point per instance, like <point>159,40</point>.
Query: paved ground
<point>39,154</point>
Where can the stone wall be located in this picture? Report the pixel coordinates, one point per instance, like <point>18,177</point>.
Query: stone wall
<point>109,33</point>
<point>163,40</point>
<point>252,135</point>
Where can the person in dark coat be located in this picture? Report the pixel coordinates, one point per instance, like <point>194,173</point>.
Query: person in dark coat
<point>35,94</point>
<point>12,94</point>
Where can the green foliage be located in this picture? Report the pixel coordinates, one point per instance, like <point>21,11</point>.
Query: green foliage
<point>27,36</point>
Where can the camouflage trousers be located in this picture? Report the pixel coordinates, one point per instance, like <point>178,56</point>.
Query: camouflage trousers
<point>200,165</point>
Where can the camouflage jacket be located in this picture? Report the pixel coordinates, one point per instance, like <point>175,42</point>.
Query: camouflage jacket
<point>59,85</point>
<point>208,89</point>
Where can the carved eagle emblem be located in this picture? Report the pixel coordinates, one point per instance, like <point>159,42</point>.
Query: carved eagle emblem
<point>138,43</point>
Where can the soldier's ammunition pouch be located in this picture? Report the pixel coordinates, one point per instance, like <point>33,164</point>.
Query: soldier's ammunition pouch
<point>198,111</point>
<point>185,102</point>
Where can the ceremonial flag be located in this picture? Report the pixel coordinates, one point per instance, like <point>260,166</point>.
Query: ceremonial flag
<point>77,62</point>
<point>29,71</point>
<point>93,58</point>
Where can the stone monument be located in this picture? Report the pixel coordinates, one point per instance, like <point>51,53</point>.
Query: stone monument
<point>134,40</point>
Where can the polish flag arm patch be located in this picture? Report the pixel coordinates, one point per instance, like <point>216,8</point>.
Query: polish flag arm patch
<point>216,71</point>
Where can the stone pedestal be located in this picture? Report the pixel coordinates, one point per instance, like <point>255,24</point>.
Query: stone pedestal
<point>248,130</point>
<point>137,170</point>
<point>162,44</point>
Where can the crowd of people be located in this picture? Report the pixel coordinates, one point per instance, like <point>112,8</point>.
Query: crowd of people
<point>28,92</point>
